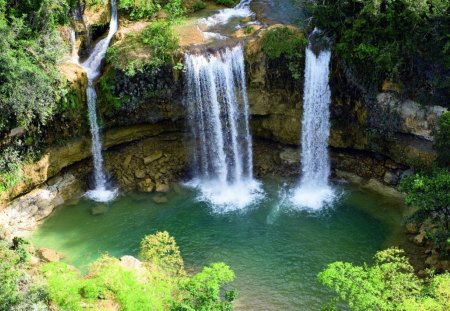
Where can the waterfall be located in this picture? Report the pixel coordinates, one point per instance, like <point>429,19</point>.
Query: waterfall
<point>314,191</point>
<point>216,97</point>
<point>92,65</point>
<point>73,45</point>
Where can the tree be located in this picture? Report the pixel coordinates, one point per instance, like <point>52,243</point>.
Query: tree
<point>430,196</point>
<point>389,284</point>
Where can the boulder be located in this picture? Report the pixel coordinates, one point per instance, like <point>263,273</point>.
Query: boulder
<point>48,255</point>
<point>139,174</point>
<point>160,198</point>
<point>127,161</point>
<point>153,157</point>
<point>146,185</point>
<point>130,263</point>
<point>99,209</point>
<point>163,188</point>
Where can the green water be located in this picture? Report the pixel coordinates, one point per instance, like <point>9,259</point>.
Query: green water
<point>276,251</point>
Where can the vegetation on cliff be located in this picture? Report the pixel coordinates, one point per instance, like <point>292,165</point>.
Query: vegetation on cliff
<point>288,44</point>
<point>32,89</point>
<point>388,284</point>
<point>405,41</point>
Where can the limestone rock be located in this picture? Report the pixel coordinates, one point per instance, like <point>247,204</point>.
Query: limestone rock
<point>139,174</point>
<point>411,229</point>
<point>48,255</point>
<point>162,187</point>
<point>290,156</point>
<point>146,185</point>
<point>127,161</point>
<point>99,209</point>
<point>419,239</point>
<point>130,263</point>
<point>153,157</point>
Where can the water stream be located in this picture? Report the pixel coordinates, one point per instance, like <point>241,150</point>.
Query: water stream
<point>216,97</point>
<point>314,190</point>
<point>101,192</point>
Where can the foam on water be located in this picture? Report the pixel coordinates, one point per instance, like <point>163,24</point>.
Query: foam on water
<point>217,102</point>
<point>241,10</point>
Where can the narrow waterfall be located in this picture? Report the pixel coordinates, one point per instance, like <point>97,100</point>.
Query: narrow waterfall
<point>314,191</point>
<point>216,97</point>
<point>73,46</point>
<point>92,65</point>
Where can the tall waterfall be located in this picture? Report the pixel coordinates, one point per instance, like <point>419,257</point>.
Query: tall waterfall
<point>216,97</point>
<point>92,65</point>
<point>314,191</point>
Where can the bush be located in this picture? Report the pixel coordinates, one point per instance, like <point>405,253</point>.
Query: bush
<point>287,43</point>
<point>443,140</point>
<point>151,49</point>
<point>389,284</point>
<point>228,3</point>
<point>430,196</point>
<point>198,5</point>
<point>161,250</point>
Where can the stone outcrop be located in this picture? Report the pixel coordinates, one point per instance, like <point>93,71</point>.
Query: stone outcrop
<point>24,213</point>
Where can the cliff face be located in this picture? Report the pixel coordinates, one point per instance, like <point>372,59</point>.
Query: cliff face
<point>149,105</point>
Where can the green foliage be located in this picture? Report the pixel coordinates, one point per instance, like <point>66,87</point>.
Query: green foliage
<point>145,9</point>
<point>10,276</point>
<point>198,5</point>
<point>228,3</point>
<point>94,3</point>
<point>152,48</point>
<point>285,42</point>
<point>430,196</point>
<point>370,36</point>
<point>443,140</point>
<point>389,284</point>
<point>161,250</point>
<point>138,9</point>
<point>158,284</point>
<point>204,290</point>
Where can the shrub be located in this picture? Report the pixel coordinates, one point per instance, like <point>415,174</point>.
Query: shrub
<point>10,277</point>
<point>443,140</point>
<point>198,5</point>
<point>430,196</point>
<point>284,42</point>
<point>151,49</point>
<point>389,284</point>
<point>161,250</point>
<point>228,3</point>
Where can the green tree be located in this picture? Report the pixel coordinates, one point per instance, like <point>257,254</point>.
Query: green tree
<point>443,140</point>
<point>389,284</point>
<point>430,196</point>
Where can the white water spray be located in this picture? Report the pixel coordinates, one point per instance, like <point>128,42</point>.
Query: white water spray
<point>73,45</point>
<point>92,66</point>
<point>314,190</point>
<point>218,112</point>
<point>241,10</point>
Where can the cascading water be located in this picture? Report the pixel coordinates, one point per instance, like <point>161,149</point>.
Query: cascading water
<point>218,113</point>
<point>73,45</point>
<point>241,10</point>
<point>92,65</point>
<point>314,190</point>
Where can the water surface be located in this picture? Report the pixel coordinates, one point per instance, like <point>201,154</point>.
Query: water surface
<point>275,250</point>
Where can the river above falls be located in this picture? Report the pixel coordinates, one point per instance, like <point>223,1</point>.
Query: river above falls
<point>275,250</point>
